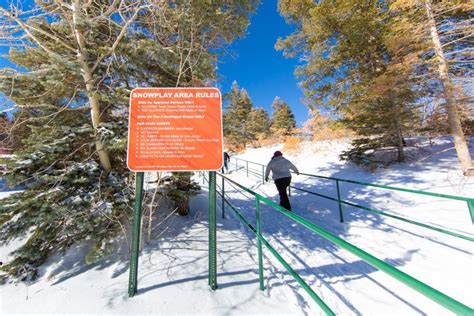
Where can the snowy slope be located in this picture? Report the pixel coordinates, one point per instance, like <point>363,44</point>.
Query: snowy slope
<point>173,269</point>
<point>441,261</point>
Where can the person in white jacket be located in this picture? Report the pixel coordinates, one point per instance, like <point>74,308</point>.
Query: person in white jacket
<point>280,168</point>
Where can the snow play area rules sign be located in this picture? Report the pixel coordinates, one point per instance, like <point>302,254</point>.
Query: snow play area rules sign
<point>175,129</point>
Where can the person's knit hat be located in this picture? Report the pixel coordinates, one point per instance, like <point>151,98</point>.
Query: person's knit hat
<point>277,154</point>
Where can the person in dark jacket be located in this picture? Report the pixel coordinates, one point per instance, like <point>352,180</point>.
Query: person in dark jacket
<point>226,162</point>
<point>280,168</point>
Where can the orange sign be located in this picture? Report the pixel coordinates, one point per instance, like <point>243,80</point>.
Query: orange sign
<point>175,129</point>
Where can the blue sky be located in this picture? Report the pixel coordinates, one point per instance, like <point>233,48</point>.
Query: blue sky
<point>259,68</point>
<point>254,63</point>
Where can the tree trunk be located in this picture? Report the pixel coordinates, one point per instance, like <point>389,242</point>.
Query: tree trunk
<point>88,79</point>
<point>181,196</point>
<point>401,154</point>
<point>454,119</point>
<point>182,206</point>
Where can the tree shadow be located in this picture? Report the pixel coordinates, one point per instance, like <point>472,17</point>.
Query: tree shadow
<point>325,213</point>
<point>167,226</point>
<point>185,233</point>
<point>203,277</point>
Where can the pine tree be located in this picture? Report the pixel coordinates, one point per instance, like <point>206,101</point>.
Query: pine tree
<point>349,69</point>
<point>342,45</point>
<point>434,39</point>
<point>236,115</point>
<point>321,126</point>
<point>283,121</point>
<point>381,117</point>
<point>5,127</point>
<point>72,109</point>
<point>257,124</point>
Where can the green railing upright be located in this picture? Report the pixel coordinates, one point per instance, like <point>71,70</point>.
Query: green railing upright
<point>428,291</point>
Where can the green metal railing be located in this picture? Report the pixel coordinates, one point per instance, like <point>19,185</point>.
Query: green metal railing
<point>137,215</point>
<point>212,231</point>
<point>469,201</point>
<point>435,295</point>
<point>261,240</point>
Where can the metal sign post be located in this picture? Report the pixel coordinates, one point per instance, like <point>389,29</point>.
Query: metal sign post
<point>137,215</point>
<point>212,231</point>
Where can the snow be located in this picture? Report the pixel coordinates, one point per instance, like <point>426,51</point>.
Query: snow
<point>25,162</point>
<point>5,194</point>
<point>173,267</point>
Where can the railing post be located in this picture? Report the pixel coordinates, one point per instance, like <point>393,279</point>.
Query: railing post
<point>212,231</point>
<point>470,205</point>
<point>247,167</point>
<point>341,216</point>
<point>223,197</point>
<point>263,174</point>
<point>137,215</point>
<point>259,243</point>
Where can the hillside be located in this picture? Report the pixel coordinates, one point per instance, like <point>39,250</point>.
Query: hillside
<point>173,268</point>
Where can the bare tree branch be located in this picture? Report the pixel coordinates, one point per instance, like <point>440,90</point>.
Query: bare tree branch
<point>28,28</point>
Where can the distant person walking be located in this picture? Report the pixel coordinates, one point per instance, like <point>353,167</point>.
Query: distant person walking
<point>280,168</point>
<point>226,162</point>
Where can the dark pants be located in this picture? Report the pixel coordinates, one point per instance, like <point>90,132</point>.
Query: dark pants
<point>282,185</point>
<point>225,166</point>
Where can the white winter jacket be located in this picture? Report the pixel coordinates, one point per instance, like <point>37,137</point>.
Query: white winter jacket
<point>280,168</point>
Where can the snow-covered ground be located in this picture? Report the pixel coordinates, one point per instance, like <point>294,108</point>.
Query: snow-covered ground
<point>173,268</point>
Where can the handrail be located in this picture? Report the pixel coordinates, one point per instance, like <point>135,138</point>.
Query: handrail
<point>469,201</point>
<point>293,273</point>
<point>438,229</point>
<point>447,196</point>
<point>426,290</point>
<point>384,213</point>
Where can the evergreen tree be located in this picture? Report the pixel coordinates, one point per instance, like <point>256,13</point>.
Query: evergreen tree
<point>236,115</point>
<point>381,117</point>
<point>342,42</point>
<point>257,124</point>
<point>72,109</point>
<point>283,121</point>
<point>5,127</point>
<point>434,40</point>
<point>349,69</point>
<point>321,126</point>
